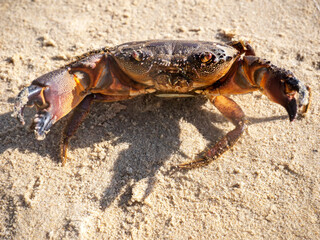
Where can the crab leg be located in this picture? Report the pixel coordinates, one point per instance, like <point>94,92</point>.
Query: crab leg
<point>232,111</point>
<point>79,114</point>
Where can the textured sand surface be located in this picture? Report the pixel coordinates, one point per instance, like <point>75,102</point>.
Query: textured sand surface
<point>118,184</point>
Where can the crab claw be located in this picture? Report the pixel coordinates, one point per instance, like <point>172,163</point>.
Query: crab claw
<point>281,87</point>
<point>27,96</point>
<point>54,94</point>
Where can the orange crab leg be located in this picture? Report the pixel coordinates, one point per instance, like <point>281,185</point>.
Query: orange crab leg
<point>232,111</point>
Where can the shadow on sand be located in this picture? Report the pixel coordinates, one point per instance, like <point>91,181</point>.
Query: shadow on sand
<point>149,125</point>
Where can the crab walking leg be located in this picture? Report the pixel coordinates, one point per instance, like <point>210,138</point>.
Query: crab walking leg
<point>79,114</point>
<point>232,111</point>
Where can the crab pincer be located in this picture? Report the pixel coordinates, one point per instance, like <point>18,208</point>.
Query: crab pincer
<point>52,95</point>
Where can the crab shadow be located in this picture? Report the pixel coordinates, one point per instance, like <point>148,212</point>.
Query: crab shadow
<point>149,126</point>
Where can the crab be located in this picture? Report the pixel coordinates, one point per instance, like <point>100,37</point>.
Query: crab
<point>168,68</point>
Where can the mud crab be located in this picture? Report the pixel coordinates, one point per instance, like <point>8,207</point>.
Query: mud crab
<point>166,69</point>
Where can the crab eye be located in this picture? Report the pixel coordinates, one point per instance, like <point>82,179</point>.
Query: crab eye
<point>137,55</point>
<point>205,57</point>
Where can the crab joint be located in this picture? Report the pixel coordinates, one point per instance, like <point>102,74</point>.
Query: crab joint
<point>77,80</point>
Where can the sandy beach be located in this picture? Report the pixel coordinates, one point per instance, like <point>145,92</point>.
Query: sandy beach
<point>118,183</point>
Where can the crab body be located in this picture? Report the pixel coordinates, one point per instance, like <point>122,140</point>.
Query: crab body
<point>167,69</point>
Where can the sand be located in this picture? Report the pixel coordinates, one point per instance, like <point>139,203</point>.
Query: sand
<point>118,184</point>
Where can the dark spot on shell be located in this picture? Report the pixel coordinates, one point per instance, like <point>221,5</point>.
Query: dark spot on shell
<point>228,58</point>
